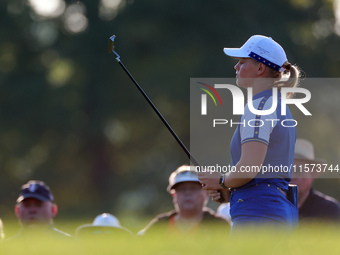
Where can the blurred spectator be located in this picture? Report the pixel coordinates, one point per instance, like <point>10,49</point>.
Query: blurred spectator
<point>2,235</point>
<point>103,225</point>
<point>189,199</point>
<point>313,205</point>
<point>35,210</point>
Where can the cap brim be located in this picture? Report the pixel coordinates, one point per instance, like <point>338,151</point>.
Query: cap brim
<point>169,188</point>
<point>235,53</point>
<point>36,196</point>
<point>315,161</point>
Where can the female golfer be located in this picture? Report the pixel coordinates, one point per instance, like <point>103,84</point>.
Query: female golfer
<point>262,151</point>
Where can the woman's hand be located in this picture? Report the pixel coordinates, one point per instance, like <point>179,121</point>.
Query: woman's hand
<point>210,180</point>
<point>216,195</point>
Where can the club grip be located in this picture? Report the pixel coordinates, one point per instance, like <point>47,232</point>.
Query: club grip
<point>221,200</point>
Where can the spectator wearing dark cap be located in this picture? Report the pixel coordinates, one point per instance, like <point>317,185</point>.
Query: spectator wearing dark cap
<point>313,205</point>
<point>35,209</point>
<point>189,199</point>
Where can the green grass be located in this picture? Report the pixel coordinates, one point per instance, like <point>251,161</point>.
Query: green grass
<point>308,239</point>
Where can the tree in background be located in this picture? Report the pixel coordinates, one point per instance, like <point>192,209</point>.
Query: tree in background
<point>71,117</point>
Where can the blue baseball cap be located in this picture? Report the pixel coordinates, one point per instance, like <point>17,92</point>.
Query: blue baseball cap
<point>35,189</point>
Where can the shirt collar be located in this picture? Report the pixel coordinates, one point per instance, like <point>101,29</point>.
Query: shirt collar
<point>268,92</point>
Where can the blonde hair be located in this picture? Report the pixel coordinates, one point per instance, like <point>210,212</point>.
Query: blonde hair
<point>288,78</point>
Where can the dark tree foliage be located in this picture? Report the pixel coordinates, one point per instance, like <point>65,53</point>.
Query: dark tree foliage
<point>71,117</point>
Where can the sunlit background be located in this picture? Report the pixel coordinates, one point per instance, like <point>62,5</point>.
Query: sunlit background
<point>71,117</point>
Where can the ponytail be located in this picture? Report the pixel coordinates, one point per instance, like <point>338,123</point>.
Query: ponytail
<point>289,78</point>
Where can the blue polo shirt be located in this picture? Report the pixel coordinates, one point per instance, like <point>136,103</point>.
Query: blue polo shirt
<point>275,130</point>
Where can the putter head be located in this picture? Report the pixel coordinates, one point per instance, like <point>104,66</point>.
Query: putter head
<point>111,46</point>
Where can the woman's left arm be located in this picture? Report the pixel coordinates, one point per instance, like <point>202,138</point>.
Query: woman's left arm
<point>252,157</point>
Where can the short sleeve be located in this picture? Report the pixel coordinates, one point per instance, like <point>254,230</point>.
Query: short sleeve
<point>258,127</point>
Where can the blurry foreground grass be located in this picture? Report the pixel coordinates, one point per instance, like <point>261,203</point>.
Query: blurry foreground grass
<point>308,239</point>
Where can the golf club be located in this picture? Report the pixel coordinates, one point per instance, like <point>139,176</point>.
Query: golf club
<point>112,50</point>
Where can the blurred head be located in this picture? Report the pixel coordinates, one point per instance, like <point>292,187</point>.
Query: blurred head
<point>104,225</point>
<point>188,195</point>
<point>35,205</point>
<point>2,235</point>
<point>304,159</point>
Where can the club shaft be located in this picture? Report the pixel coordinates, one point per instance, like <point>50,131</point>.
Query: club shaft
<point>192,159</point>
